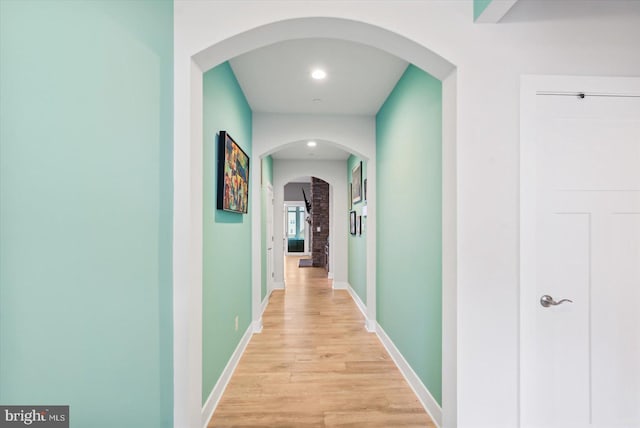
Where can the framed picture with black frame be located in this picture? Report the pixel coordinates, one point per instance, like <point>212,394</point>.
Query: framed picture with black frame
<point>233,176</point>
<point>353,219</point>
<point>356,183</point>
<point>365,189</point>
<point>359,225</point>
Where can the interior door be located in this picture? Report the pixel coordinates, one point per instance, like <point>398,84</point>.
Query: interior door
<point>270,239</point>
<point>580,240</point>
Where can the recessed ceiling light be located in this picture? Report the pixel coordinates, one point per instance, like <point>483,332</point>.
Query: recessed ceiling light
<point>311,144</point>
<point>318,74</point>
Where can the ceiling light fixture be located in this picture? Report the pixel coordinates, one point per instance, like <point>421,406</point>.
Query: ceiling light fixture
<point>318,74</point>
<point>311,144</point>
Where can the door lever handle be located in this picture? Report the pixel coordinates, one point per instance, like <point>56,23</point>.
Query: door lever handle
<point>547,301</point>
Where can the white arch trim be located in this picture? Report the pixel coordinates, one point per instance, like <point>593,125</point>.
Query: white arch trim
<point>304,141</point>
<point>331,28</point>
<point>279,201</point>
<point>353,134</point>
<point>334,173</point>
<point>189,65</point>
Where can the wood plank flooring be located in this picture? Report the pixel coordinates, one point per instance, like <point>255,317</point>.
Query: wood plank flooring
<point>314,365</point>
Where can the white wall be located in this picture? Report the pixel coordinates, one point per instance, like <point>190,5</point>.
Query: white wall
<point>334,173</point>
<point>293,192</point>
<point>589,38</point>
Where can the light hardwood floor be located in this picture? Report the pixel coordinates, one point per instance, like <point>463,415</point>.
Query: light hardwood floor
<point>314,365</point>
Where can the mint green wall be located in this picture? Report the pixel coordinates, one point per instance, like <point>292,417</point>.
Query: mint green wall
<point>86,125</point>
<point>358,243</point>
<point>267,178</point>
<point>409,235</point>
<point>479,6</point>
<point>226,274</point>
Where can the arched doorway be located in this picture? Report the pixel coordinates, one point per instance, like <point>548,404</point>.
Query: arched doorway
<point>190,64</point>
<point>335,176</point>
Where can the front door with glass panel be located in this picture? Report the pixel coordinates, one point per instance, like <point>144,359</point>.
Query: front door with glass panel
<point>297,242</point>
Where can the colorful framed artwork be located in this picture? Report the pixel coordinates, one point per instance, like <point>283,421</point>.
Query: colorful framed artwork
<point>233,176</point>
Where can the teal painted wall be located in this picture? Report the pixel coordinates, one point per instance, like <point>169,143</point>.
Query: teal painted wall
<point>86,140</point>
<point>479,6</point>
<point>358,243</point>
<point>226,274</point>
<point>267,179</point>
<point>409,233</point>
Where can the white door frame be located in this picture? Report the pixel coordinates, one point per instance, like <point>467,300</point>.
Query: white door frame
<point>530,87</point>
<point>270,240</point>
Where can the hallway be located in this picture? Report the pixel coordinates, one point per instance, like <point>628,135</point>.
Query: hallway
<point>314,365</point>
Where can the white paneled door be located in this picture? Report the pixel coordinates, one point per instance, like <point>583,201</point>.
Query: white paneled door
<point>269,238</point>
<point>580,241</point>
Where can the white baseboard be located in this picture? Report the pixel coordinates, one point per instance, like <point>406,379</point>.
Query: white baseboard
<point>330,275</point>
<point>257,326</point>
<point>217,391</point>
<point>340,285</point>
<point>426,399</point>
<point>359,303</point>
<point>278,286</point>
<point>265,302</point>
<point>370,325</point>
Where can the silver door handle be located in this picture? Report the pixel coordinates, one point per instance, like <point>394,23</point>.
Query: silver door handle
<point>547,301</point>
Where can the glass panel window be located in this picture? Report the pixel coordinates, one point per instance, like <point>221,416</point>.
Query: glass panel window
<point>295,229</point>
<point>291,222</point>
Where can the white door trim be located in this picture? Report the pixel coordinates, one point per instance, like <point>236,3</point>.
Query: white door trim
<point>270,240</point>
<point>532,86</point>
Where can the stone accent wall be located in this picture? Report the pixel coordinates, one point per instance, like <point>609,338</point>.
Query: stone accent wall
<point>320,218</point>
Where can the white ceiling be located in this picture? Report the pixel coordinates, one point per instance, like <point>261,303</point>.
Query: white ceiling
<point>277,78</point>
<point>322,151</point>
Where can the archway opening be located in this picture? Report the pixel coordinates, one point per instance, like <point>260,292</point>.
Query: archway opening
<point>188,128</point>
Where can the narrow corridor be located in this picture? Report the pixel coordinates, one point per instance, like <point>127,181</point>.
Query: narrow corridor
<point>314,365</point>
